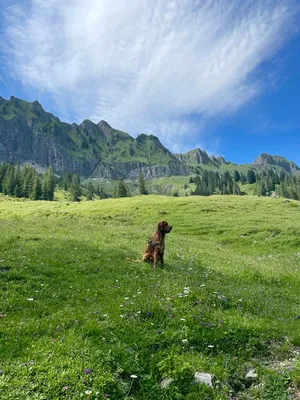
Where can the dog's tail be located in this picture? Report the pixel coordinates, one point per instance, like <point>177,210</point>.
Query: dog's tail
<point>132,260</point>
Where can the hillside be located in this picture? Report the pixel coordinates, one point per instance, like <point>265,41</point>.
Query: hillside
<point>79,321</point>
<point>29,134</point>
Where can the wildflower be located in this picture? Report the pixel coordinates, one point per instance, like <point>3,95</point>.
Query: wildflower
<point>210,346</point>
<point>106,396</point>
<point>149,314</point>
<point>87,371</point>
<point>159,331</point>
<point>65,387</point>
<point>133,376</point>
<point>184,340</point>
<point>88,392</point>
<point>30,299</point>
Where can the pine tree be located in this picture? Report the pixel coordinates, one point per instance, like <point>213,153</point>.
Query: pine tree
<point>75,188</point>
<point>122,190</point>
<point>25,178</point>
<point>51,184</point>
<point>251,178</point>
<point>48,184</point>
<point>243,178</point>
<point>102,194</point>
<point>3,169</point>
<point>141,184</point>
<point>262,190</point>
<point>8,184</point>
<point>18,182</point>
<point>35,191</point>
<point>17,190</point>
<point>66,181</point>
<point>235,188</point>
<point>90,191</point>
<point>210,183</point>
<point>236,176</point>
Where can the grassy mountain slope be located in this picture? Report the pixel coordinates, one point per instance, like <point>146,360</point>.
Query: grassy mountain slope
<point>78,321</point>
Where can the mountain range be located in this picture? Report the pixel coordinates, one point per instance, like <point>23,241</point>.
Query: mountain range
<point>29,134</point>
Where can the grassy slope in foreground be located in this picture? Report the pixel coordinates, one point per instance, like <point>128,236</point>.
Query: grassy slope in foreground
<point>76,317</point>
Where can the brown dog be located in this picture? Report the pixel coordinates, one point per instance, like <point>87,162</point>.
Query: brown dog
<point>156,245</point>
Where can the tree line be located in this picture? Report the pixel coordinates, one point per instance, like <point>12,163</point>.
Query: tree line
<point>211,182</point>
<point>26,182</point>
<point>266,183</point>
<point>280,183</point>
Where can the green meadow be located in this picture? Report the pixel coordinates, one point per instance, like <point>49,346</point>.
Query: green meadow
<point>78,321</point>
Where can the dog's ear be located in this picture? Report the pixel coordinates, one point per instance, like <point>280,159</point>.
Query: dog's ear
<point>160,226</point>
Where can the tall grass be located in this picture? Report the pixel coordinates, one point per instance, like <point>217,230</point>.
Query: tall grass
<point>79,321</point>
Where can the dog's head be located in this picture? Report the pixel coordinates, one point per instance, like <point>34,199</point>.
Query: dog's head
<point>163,226</point>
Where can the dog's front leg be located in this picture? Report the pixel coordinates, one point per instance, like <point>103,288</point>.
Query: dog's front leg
<point>155,259</point>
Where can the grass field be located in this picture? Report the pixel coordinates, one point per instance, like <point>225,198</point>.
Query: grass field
<point>78,321</point>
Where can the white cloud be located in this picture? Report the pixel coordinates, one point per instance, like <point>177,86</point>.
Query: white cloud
<point>146,66</point>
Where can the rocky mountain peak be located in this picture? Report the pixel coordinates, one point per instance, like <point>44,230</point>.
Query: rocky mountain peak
<point>264,160</point>
<point>198,156</point>
<point>29,133</point>
<point>105,127</point>
<point>222,160</point>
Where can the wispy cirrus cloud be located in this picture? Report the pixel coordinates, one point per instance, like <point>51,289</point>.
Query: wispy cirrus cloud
<point>146,66</point>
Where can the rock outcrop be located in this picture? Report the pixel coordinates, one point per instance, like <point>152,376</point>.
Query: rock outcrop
<point>29,134</point>
<point>265,160</point>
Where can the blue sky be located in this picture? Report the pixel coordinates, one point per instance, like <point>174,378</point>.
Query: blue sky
<point>221,75</point>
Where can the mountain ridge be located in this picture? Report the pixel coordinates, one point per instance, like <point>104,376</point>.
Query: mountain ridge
<point>28,133</point>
